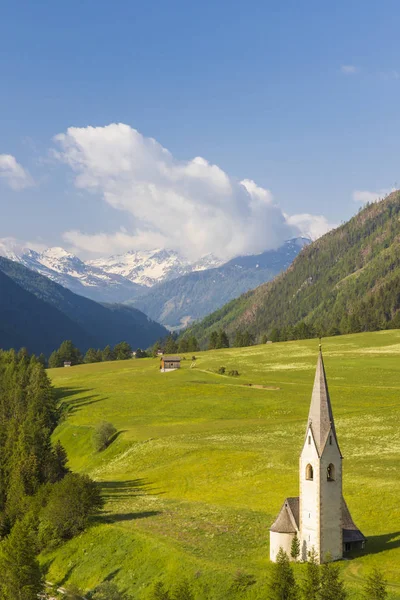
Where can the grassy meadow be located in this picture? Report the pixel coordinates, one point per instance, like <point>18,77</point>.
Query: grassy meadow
<point>202,462</point>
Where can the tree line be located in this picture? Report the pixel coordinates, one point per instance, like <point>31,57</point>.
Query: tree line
<point>319,582</point>
<point>41,502</point>
<point>68,352</point>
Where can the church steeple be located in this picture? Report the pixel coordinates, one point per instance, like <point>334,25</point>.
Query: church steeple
<point>320,417</point>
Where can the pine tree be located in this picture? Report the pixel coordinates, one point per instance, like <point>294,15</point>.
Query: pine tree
<point>282,585</point>
<point>183,345</point>
<point>90,356</point>
<point>122,351</point>
<point>171,347</point>
<point>295,547</point>
<point>159,592</point>
<point>183,591</point>
<point>42,360</point>
<point>21,578</point>
<point>212,344</point>
<point>193,344</point>
<point>55,360</point>
<point>376,586</point>
<point>312,581</point>
<point>107,354</point>
<point>222,339</point>
<point>332,587</point>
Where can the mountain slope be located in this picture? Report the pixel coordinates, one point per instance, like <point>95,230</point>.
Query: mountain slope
<point>94,324</point>
<point>71,272</point>
<point>192,296</point>
<point>26,320</point>
<point>149,267</point>
<point>347,281</point>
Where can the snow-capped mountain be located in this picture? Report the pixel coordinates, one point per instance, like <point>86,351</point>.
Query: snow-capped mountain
<point>206,283</point>
<point>71,272</point>
<point>148,267</point>
<point>194,295</point>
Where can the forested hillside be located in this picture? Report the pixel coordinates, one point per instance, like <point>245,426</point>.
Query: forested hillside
<point>195,295</point>
<point>346,282</point>
<point>38,313</point>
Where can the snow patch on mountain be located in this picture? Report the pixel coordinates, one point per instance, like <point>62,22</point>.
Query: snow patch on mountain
<point>153,266</point>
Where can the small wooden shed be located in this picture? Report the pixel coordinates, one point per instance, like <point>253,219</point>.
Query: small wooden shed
<point>170,363</point>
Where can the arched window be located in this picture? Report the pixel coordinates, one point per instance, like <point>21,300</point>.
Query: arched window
<point>330,473</point>
<point>309,473</point>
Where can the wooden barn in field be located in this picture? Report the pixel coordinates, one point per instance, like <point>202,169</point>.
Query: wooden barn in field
<point>170,363</point>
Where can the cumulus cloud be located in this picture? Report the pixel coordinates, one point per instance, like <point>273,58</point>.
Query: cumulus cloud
<point>365,196</point>
<point>16,177</point>
<point>349,69</point>
<point>311,226</point>
<point>191,206</point>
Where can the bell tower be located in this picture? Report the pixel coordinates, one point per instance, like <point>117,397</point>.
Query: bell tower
<point>321,503</point>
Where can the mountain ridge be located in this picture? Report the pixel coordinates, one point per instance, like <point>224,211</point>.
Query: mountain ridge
<point>94,324</point>
<point>346,281</point>
<point>178,302</point>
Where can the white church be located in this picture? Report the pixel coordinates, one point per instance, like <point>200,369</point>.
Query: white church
<point>319,517</point>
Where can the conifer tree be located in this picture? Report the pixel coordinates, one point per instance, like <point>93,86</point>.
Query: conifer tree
<point>42,360</point>
<point>159,592</point>
<point>20,571</point>
<point>212,344</point>
<point>107,354</point>
<point>183,345</point>
<point>170,345</point>
<point>122,351</point>
<point>312,581</point>
<point>295,547</point>
<point>222,339</point>
<point>90,356</point>
<point>193,344</point>
<point>376,586</point>
<point>282,585</point>
<point>332,587</point>
<point>183,591</point>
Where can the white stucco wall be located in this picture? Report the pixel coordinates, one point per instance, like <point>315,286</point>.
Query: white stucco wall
<point>309,499</point>
<point>331,504</point>
<point>279,540</point>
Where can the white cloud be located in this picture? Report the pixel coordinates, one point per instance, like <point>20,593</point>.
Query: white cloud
<point>10,246</point>
<point>311,226</point>
<point>349,69</point>
<point>16,177</point>
<point>365,196</point>
<point>191,206</point>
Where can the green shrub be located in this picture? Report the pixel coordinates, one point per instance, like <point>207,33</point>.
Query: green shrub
<point>103,435</point>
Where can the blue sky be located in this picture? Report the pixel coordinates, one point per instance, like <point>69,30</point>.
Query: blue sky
<point>301,98</point>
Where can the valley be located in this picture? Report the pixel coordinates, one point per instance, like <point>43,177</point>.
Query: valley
<point>202,461</point>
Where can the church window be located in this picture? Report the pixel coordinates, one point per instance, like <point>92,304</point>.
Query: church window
<point>330,473</point>
<point>309,440</point>
<point>330,440</point>
<point>309,473</point>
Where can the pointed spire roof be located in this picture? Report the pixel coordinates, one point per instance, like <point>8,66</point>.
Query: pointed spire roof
<point>320,417</point>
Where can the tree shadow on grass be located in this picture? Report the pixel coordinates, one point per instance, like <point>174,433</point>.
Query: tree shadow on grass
<point>67,575</point>
<point>380,543</point>
<point>67,407</point>
<point>117,490</point>
<point>65,392</point>
<point>131,516</point>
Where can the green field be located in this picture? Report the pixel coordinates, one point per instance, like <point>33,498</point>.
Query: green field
<point>203,462</point>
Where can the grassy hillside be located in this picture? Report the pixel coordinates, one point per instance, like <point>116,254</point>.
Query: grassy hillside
<point>347,281</point>
<point>203,462</point>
